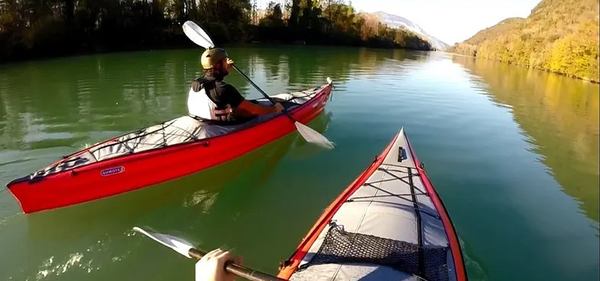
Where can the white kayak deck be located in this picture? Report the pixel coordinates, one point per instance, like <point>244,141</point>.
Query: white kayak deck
<point>383,206</point>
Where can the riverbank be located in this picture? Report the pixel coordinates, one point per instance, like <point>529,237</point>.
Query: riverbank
<point>558,36</point>
<point>185,43</point>
<point>595,81</point>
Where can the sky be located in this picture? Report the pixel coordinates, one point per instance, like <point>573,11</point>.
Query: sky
<point>451,21</point>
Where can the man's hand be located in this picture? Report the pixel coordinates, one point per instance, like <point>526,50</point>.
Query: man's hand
<point>196,86</point>
<point>278,107</point>
<point>212,266</point>
<point>229,63</point>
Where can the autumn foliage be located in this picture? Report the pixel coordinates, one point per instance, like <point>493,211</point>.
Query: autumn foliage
<point>558,36</point>
<point>36,28</point>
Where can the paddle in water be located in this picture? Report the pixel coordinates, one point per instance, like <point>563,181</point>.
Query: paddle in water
<point>186,249</point>
<point>201,38</point>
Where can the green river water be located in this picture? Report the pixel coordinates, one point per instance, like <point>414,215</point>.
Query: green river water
<point>512,152</point>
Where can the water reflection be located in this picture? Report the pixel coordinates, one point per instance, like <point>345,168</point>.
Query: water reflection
<point>293,68</point>
<point>560,114</point>
<point>78,101</point>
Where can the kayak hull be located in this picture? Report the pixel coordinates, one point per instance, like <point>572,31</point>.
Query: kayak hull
<point>129,172</point>
<point>378,205</point>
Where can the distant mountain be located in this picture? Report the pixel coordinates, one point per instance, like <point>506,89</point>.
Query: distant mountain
<point>559,36</point>
<point>401,22</point>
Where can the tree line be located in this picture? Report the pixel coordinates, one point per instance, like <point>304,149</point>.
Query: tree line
<point>558,36</point>
<point>329,22</point>
<point>35,28</point>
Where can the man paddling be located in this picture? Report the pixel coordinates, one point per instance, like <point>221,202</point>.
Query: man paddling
<point>211,99</point>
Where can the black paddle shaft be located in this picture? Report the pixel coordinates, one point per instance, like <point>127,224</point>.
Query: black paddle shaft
<point>263,92</point>
<point>239,270</point>
<point>253,84</point>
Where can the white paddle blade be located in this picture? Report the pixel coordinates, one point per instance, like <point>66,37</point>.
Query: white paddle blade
<point>313,136</point>
<point>197,35</point>
<point>179,245</point>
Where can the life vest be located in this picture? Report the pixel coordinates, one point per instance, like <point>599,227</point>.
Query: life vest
<point>202,106</point>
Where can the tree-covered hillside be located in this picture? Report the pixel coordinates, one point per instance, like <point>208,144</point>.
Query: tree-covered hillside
<point>40,28</point>
<point>559,36</point>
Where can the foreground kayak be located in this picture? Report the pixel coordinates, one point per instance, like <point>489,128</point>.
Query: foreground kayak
<point>158,153</point>
<point>389,224</point>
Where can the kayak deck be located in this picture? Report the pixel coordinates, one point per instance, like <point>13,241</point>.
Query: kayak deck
<point>385,226</point>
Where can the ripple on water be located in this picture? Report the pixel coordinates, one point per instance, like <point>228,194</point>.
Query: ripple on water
<point>201,199</point>
<point>49,267</point>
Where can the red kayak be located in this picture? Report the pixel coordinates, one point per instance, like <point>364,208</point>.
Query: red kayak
<point>389,224</point>
<point>166,151</point>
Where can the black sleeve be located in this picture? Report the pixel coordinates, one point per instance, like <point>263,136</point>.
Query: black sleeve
<point>230,95</point>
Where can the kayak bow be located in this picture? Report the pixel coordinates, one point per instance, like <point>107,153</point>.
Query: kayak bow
<point>389,224</point>
<point>166,151</point>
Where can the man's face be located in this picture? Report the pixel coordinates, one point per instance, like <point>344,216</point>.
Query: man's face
<point>224,67</point>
